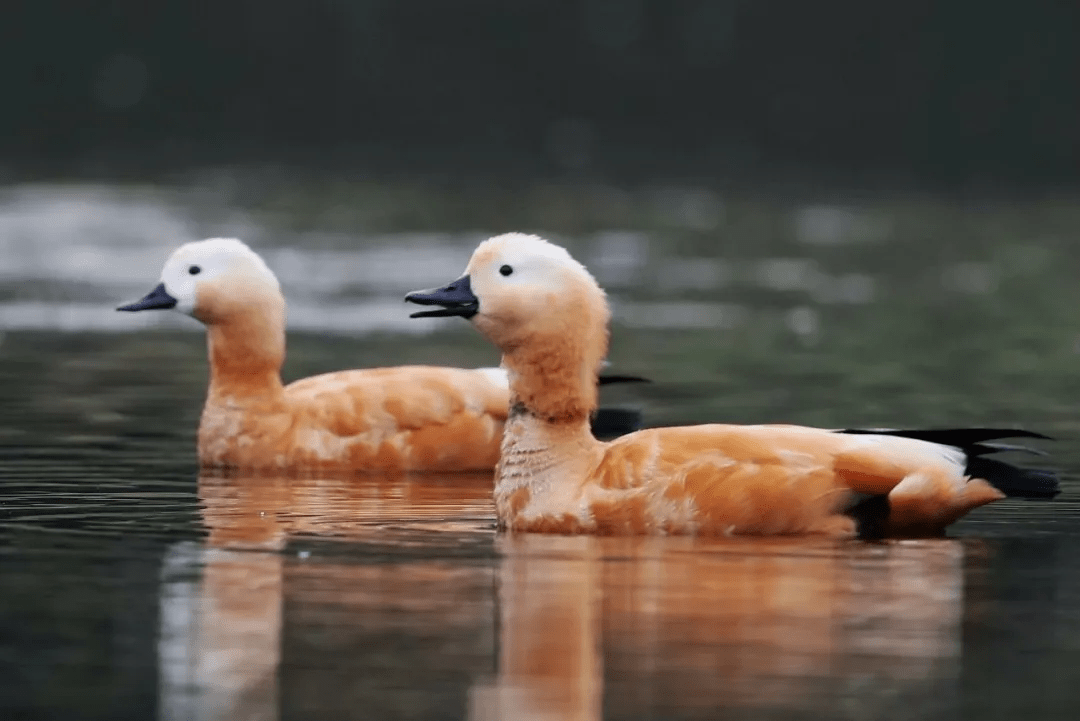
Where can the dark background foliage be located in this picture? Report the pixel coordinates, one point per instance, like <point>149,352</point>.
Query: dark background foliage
<point>946,92</point>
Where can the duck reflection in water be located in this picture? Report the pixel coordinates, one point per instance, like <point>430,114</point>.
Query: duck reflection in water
<point>596,628</point>
<point>384,597</point>
<point>226,635</point>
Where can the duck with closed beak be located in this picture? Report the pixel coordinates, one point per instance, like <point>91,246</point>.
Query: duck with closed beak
<point>549,317</point>
<point>404,418</point>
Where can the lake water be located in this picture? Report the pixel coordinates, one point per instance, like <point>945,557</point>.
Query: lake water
<point>132,587</point>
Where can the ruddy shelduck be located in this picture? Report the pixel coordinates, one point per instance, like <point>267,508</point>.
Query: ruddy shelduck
<point>405,418</point>
<point>550,318</point>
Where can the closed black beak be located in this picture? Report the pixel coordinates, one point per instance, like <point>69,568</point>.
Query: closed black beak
<point>455,299</point>
<point>157,299</point>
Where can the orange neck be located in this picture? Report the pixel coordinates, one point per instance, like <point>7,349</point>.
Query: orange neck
<point>246,353</point>
<point>555,381</point>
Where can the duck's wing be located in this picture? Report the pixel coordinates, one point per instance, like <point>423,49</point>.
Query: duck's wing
<point>791,479</point>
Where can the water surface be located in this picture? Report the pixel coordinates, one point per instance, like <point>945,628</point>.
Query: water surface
<point>392,597</point>
<point>134,587</point>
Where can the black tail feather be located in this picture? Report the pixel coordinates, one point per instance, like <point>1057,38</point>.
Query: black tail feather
<point>959,437</point>
<point>606,380</point>
<point>612,422</point>
<point>1013,481</point>
<point>982,449</point>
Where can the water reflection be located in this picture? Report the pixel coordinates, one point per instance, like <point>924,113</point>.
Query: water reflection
<point>220,634</point>
<point>224,603</point>
<point>674,628</point>
<point>550,663</point>
<point>265,511</point>
<point>391,597</point>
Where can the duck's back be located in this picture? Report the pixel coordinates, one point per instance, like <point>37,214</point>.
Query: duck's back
<point>423,418</point>
<point>863,463</point>
<point>406,418</point>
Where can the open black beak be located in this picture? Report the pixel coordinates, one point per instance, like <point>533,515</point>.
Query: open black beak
<point>455,299</point>
<point>157,299</point>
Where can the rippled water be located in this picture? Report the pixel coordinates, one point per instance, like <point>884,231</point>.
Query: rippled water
<point>130,593</point>
<point>133,587</point>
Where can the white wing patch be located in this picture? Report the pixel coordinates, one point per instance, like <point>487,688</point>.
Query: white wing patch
<point>498,376</point>
<point>911,451</point>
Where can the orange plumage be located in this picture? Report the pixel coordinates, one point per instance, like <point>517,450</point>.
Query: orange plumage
<point>550,319</point>
<point>404,418</point>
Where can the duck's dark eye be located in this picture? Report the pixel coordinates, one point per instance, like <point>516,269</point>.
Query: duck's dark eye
<point>506,270</point>
<point>194,270</point>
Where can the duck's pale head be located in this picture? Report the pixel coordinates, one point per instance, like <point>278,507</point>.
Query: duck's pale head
<point>211,280</point>
<point>519,287</point>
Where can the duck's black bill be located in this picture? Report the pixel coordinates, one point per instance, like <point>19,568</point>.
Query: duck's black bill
<point>157,299</point>
<point>455,299</point>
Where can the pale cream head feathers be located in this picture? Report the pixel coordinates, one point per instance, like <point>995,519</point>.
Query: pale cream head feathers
<point>526,285</point>
<point>209,277</point>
